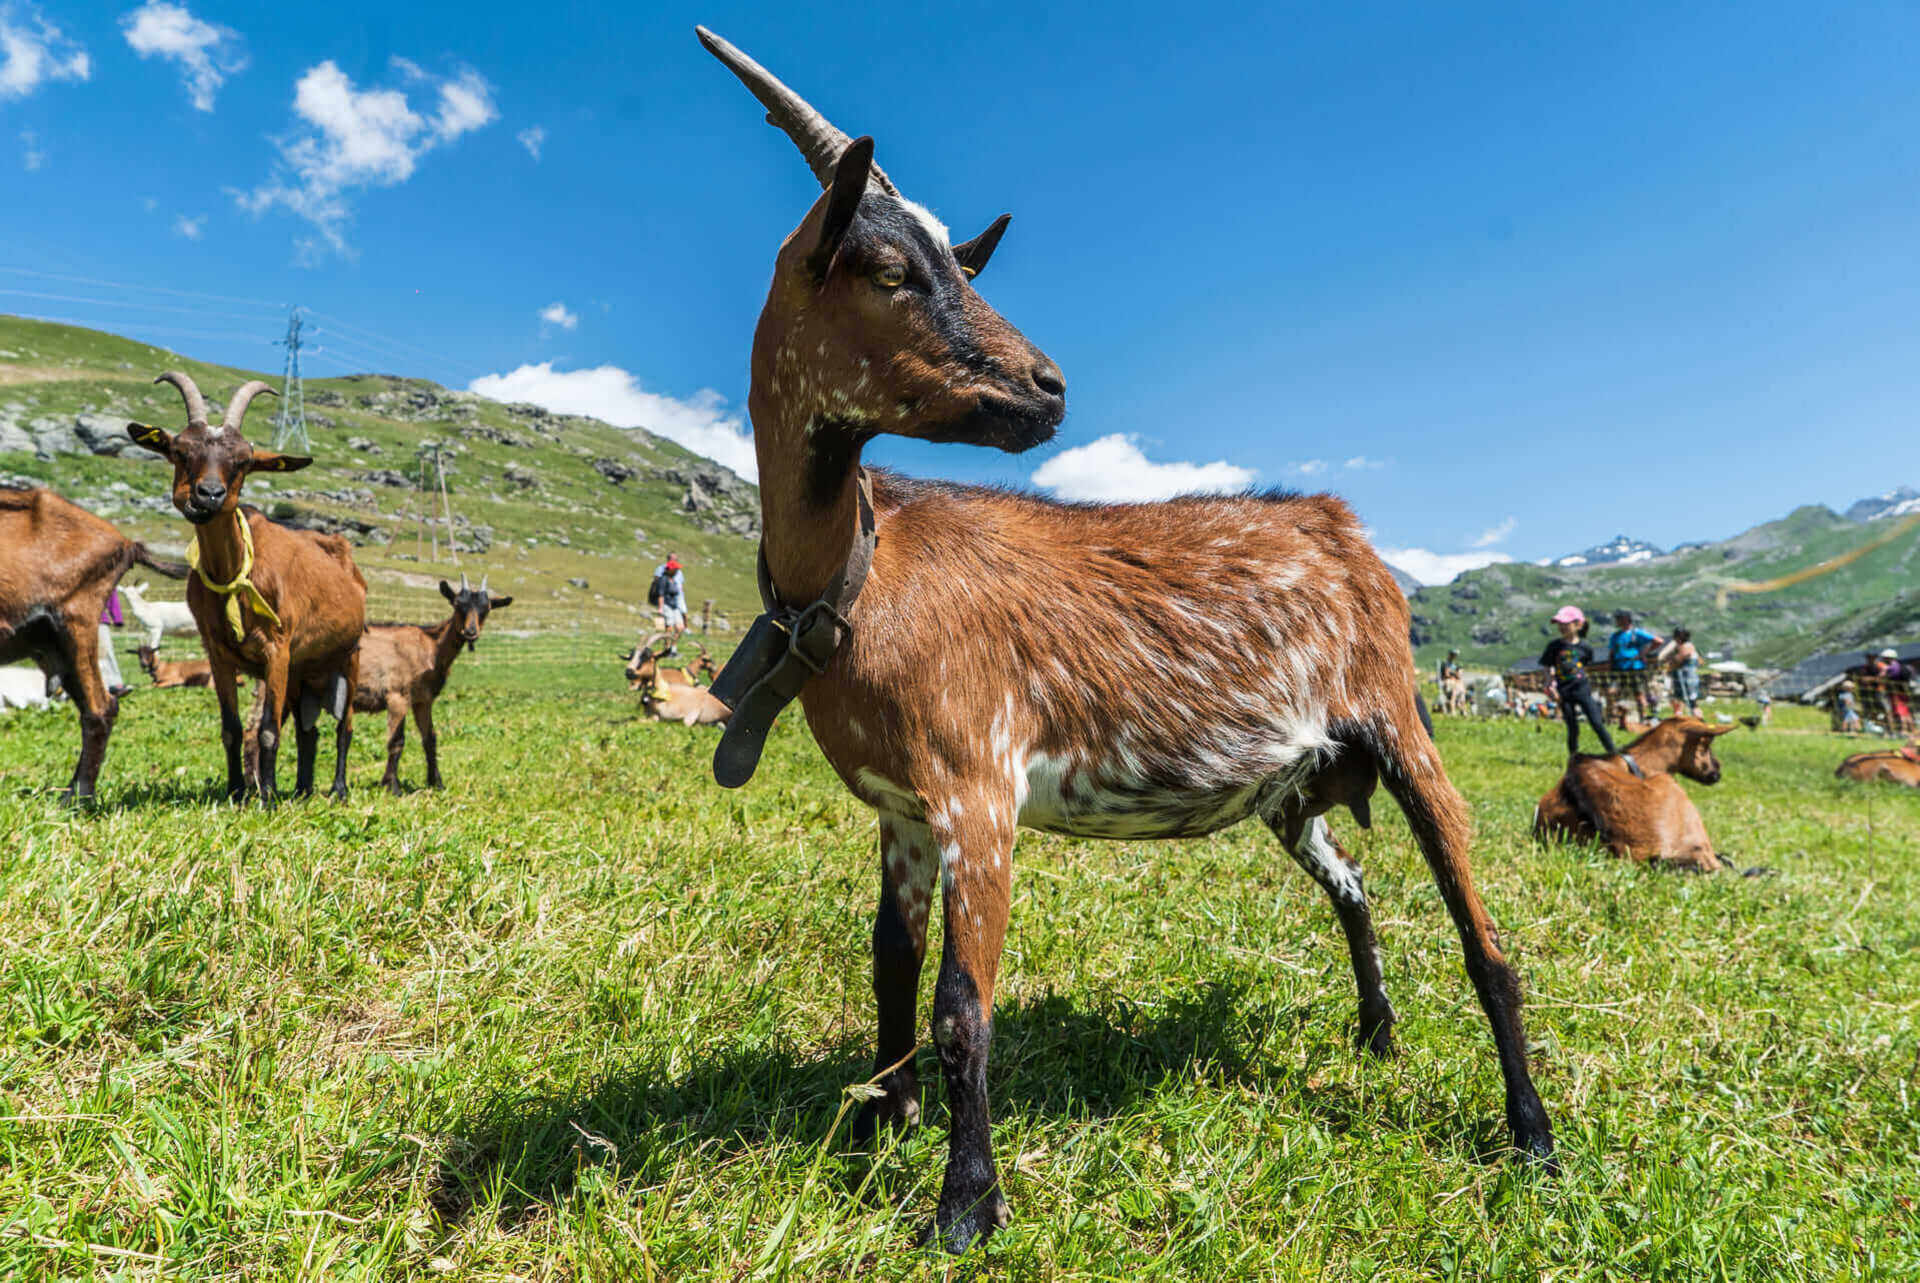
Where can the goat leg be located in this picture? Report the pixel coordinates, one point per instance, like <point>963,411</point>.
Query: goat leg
<point>306,739</point>
<point>273,714</point>
<point>232,731</point>
<point>429,741</point>
<point>908,861</point>
<point>340,699</point>
<point>978,879</point>
<point>1312,846</point>
<point>96,706</point>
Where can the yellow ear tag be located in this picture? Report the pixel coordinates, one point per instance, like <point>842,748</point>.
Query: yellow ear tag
<point>968,272</point>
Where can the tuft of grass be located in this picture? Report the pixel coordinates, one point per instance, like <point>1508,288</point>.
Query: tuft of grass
<point>585,1015</point>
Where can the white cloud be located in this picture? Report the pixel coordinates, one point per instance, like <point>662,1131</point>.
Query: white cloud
<point>1361,463</point>
<point>33,51</point>
<point>347,138</point>
<point>189,227</point>
<point>1308,467</point>
<point>556,313</point>
<point>533,138</point>
<point>30,154</point>
<point>207,54</point>
<point>149,204</point>
<point>1494,534</point>
<point>701,423</point>
<point>1438,567</point>
<point>1114,470</point>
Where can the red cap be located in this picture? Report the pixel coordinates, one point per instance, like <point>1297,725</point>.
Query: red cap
<point>672,564</point>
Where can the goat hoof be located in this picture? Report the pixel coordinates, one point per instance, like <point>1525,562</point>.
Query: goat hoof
<point>968,1224</point>
<point>339,794</point>
<point>1377,1041</point>
<point>897,1109</point>
<point>1537,1147</point>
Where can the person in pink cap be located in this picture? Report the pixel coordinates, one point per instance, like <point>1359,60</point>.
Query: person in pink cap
<point>1566,658</point>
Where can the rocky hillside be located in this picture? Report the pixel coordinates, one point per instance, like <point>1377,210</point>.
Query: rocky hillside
<point>568,514</point>
<point>1498,614</point>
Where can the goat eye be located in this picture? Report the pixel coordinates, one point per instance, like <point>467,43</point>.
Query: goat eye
<point>890,277</point>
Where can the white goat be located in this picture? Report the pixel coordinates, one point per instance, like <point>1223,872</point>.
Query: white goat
<point>159,616</point>
<point>22,686</point>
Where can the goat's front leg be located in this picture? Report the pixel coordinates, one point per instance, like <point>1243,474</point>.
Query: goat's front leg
<point>396,741</point>
<point>306,740</point>
<point>429,741</point>
<point>233,732</point>
<point>96,705</point>
<point>339,697</point>
<point>273,714</point>
<point>908,862</point>
<point>976,853</point>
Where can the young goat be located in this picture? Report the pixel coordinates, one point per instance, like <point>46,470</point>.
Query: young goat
<point>159,617</point>
<point>58,563</point>
<point>287,607</point>
<point>688,676</point>
<point>1651,818</point>
<point>1901,766</point>
<point>167,674</point>
<point>405,666</point>
<point>1003,664</point>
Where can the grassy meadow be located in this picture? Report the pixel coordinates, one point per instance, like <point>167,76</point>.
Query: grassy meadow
<point>586,1016</point>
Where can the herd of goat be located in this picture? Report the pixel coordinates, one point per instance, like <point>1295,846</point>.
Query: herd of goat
<point>959,702</point>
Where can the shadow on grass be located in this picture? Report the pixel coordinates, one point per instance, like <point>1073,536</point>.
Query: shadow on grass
<point>1051,1056</point>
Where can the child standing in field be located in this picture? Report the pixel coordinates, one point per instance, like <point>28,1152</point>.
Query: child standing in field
<point>1566,658</point>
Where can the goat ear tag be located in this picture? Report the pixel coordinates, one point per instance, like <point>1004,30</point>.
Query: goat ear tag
<point>268,462</point>
<point>147,435</point>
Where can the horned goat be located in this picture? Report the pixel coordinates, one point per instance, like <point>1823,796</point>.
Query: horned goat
<point>405,666</point>
<point>287,607</point>
<point>58,563</point>
<point>1048,706</point>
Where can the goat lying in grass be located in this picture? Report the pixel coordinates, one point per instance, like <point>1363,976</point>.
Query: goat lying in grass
<point>58,563</point>
<point>168,674</point>
<point>1597,799</point>
<point>689,675</point>
<point>669,695</point>
<point>1901,766</point>
<point>405,666</point>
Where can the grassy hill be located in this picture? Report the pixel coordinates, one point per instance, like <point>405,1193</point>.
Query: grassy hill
<point>1498,614</point>
<point>541,501</point>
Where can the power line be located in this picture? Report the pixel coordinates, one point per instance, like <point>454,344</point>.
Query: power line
<point>144,307</point>
<point>145,328</point>
<point>395,343</point>
<point>144,289</point>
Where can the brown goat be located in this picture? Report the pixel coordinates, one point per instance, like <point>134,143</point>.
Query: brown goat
<point>168,674</point>
<point>1598,799</point>
<point>405,666</point>
<point>1004,668</point>
<point>58,563</point>
<point>667,700</point>
<point>1901,766</point>
<point>287,607</point>
<point>688,676</point>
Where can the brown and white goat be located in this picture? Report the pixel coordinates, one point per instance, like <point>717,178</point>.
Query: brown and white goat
<point>1652,818</point>
<point>405,666</point>
<point>168,673</point>
<point>690,675</point>
<point>58,563</point>
<point>670,695</point>
<point>1900,766</point>
<point>291,608</point>
<point>1004,665</point>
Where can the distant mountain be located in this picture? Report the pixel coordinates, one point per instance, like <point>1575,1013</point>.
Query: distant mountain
<point>1408,584</point>
<point>1498,614</point>
<point>1620,550</point>
<point>1901,501</point>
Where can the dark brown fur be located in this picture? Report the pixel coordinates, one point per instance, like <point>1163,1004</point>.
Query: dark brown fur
<point>1598,798</point>
<point>58,563</point>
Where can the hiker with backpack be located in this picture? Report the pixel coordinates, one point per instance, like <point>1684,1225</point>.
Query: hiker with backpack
<point>668,595</point>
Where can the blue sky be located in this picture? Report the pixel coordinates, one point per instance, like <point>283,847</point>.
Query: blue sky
<point>1510,279</point>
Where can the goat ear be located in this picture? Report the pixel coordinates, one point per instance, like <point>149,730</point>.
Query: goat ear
<point>973,254</point>
<point>268,461</point>
<point>446,590</point>
<point>1722,730</point>
<point>155,439</point>
<point>499,603</point>
<point>843,199</point>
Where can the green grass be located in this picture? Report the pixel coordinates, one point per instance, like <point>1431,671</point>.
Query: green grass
<point>584,1015</point>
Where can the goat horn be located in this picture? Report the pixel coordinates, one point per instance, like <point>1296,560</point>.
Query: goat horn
<point>483,585</point>
<point>237,408</point>
<point>196,404</point>
<point>464,585</point>
<point>788,112</point>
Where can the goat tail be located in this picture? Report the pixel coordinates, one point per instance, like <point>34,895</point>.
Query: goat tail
<point>163,565</point>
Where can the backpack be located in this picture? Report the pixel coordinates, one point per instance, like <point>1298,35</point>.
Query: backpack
<point>657,590</point>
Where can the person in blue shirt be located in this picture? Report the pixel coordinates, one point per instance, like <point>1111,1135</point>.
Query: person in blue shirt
<point>1627,648</point>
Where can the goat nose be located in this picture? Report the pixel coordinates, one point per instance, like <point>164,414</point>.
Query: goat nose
<point>1047,377</point>
<point>209,493</point>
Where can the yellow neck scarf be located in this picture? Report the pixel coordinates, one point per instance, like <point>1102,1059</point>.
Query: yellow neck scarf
<point>241,583</point>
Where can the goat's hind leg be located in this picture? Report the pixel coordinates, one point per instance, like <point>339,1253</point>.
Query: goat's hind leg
<point>306,739</point>
<point>1312,846</point>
